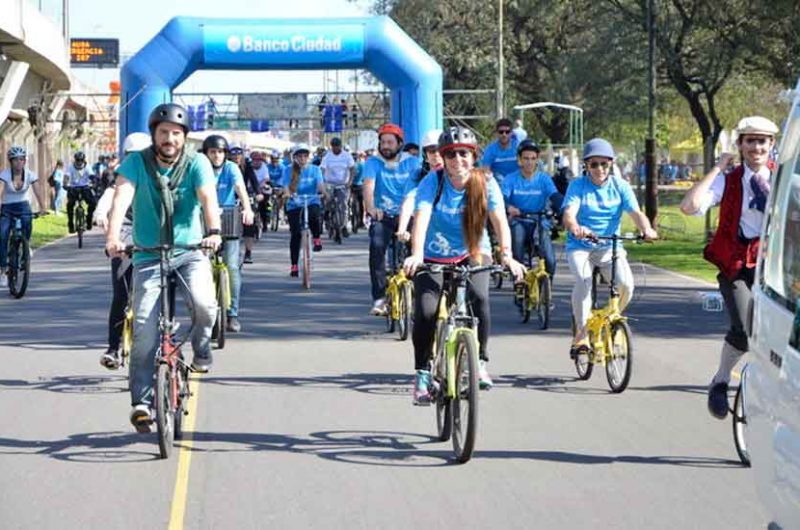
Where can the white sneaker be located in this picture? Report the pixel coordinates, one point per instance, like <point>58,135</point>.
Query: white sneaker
<point>378,307</point>
<point>484,379</point>
<point>140,418</point>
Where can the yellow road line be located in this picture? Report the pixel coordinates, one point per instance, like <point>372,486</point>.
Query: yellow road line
<point>178,509</point>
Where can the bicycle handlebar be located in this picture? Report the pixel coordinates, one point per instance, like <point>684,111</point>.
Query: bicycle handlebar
<point>533,216</point>
<point>458,269</point>
<point>595,238</point>
<point>130,249</point>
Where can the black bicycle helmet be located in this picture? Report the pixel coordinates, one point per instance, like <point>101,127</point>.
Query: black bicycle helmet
<point>80,156</point>
<point>214,141</point>
<point>169,113</point>
<point>528,145</point>
<point>455,137</point>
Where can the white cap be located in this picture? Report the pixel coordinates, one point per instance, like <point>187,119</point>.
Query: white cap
<point>756,125</point>
<point>136,142</point>
<point>431,138</point>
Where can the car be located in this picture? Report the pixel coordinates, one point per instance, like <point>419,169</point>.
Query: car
<point>771,381</point>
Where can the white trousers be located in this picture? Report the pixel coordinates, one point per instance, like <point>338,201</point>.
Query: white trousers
<point>581,263</point>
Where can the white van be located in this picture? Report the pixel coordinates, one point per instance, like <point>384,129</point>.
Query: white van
<point>772,379</point>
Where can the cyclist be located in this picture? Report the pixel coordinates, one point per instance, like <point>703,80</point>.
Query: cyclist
<point>432,160</point>
<point>236,155</point>
<point>14,184</point>
<point>230,185</point>
<point>452,208</point>
<point>261,171</point>
<point>742,193</point>
<point>168,187</point>
<point>357,187</point>
<point>411,148</point>
<point>500,156</point>
<point>593,206</point>
<point>530,190</point>
<point>302,178</point>
<point>275,169</point>
<point>338,169</point>
<point>385,176</point>
<point>121,267</point>
<point>78,183</point>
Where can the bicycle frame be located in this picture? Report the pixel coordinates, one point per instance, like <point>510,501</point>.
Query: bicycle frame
<point>217,267</point>
<point>396,280</point>
<point>533,274</point>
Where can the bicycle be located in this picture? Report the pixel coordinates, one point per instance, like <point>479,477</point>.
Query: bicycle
<point>335,212</point>
<point>610,336</point>
<point>19,254</point>
<point>533,293</point>
<point>222,288</point>
<point>305,240</point>
<point>454,372</point>
<point>739,417</point>
<point>399,291</point>
<point>171,390</point>
<point>79,212</point>
<point>356,209</point>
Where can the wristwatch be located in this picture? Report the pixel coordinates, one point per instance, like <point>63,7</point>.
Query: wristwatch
<point>213,232</point>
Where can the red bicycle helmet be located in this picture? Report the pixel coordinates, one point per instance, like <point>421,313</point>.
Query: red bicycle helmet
<point>391,128</point>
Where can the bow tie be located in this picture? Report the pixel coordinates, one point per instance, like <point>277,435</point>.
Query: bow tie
<point>760,187</point>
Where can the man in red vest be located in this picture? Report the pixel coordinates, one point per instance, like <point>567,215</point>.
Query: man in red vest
<point>742,195</point>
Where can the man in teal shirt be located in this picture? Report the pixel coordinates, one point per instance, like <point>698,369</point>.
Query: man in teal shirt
<point>191,179</point>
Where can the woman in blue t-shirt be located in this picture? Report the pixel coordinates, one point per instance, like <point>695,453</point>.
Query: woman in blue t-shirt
<point>452,206</point>
<point>302,178</point>
<point>593,206</point>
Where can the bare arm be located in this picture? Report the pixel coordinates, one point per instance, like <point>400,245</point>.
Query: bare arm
<point>405,214</point>
<point>693,200</point>
<point>503,232</point>
<point>643,224</point>
<point>207,195</point>
<point>123,196</point>
<point>2,192</point>
<point>247,210</point>
<point>421,220</point>
<point>369,195</point>
<point>41,195</point>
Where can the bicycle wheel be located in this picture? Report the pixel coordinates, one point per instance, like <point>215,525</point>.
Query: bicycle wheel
<point>306,246</point>
<point>165,415</point>
<point>404,323</point>
<point>740,428</point>
<point>619,360</point>
<point>182,373</point>
<point>80,224</point>
<point>444,411</point>
<point>353,217</point>
<point>19,267</point>
<point>543,306</point>
<point>584,364</point>
<point>275,217</point>
<point>521,295</point>
<point>465,404</point>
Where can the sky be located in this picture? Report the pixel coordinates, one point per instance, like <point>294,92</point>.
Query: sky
<point>135,27</point>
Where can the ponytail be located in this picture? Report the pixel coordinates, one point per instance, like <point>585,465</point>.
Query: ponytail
<point>475,211</point>
<point>296,170</point>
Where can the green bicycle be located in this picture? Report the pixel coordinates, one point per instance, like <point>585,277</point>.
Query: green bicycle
<point>222,288</point>
<point>454,365</point>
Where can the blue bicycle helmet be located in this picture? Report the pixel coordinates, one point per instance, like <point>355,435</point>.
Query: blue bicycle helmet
<point>598,147</point>
<point>17,151</point>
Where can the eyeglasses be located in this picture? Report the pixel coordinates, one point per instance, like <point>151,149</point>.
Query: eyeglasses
<point>603,165</point>
<point>503,131</point>
<point>461,153</point>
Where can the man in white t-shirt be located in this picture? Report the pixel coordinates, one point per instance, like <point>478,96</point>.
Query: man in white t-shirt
<point>338,169</point>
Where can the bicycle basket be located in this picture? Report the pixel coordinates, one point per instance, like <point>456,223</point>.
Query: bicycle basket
<point>231,221</point>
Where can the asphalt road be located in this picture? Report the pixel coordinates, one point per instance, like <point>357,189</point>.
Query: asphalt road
<point>306,419</point>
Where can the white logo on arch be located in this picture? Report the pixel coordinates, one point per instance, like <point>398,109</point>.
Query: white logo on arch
<point>234,44</point>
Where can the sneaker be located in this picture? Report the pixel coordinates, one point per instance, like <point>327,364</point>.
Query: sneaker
<point>248,257</point>
<point>718,400</point>
<point>378,307</point>
<point>484,380</point>
<point>317,244</point>
<point>233,324</point>
<point>110,359</point>
<point>141,418</point>
<point>294,272</point>
<point>578,349</point>
<point>421,393</point>
<point>201,364</point>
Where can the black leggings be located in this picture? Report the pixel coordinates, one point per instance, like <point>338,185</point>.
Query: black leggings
<point>427,289</point>
<point>120,280</point>
<point>295,223</point>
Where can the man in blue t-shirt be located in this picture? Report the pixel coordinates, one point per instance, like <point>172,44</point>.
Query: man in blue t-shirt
<point>385,177</point>
<point>501,155</point>
<point>593,206</point>
<point>154,181</point>
<point>527,191</point>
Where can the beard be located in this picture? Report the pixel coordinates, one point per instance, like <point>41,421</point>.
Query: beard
<point>168,152</point>
<point>389,154</point>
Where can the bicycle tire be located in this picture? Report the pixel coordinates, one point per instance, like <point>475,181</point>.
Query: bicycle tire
<point>80,224</point>
<point>543,305</point>
<point>619,374</point>
<point>165,416</point>
<point>465,423</point>
<point>306,260</point>
<point>584,364</point>
<point>740,428</point>
<point>20,268</point>
<point>353,216</point>
<point>444,412</point>
<point>223,300</point>
<point>522,299</point>
<point>182,373</point>
<point>276,216</point>
<point>404,324</point>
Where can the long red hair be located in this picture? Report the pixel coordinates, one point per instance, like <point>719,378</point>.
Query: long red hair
<point>475,211</point>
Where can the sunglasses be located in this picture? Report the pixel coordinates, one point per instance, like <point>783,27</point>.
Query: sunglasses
<point>604,165</point>
<point>755,140</point>
<point>461,153</point>
<point>503,131</point>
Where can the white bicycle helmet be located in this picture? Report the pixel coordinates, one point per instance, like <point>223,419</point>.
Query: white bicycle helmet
<point>431,138</point>
<point>299,148</point>
<point>136,142</point>
<point>17,151</point>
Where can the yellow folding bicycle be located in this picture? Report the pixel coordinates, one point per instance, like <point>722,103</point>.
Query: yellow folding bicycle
<point>399,292</point>
<point>533,293</point>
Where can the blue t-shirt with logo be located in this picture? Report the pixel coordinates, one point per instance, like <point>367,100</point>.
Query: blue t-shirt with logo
<point>390,180</point>
<point>187,226</point>
<point>501,161</point>
<point>444,240</point>
<point>229,175</point>
<point>275,172</point>
<point>600,208</point>
<point>528,195</point>
<point>308,184</point>
<point>358,179</point>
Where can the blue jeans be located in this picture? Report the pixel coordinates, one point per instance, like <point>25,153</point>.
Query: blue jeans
<point>6,224</point>
<point>380,233</point>
<point>522,233</point>
<point>231,259</point>
<point>195,269</point>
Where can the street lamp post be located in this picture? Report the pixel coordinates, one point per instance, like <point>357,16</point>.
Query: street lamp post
<point>651,184</point>
<point>500,66</point>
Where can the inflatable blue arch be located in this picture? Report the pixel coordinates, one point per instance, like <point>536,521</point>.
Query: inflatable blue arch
<point>377,44</point>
